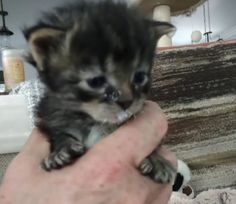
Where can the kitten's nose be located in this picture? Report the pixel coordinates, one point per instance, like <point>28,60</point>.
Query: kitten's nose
<point>125,104</point>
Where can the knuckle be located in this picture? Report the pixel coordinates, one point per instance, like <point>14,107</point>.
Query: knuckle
<point>108,172</point>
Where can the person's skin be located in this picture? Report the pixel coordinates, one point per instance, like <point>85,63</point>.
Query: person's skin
<point>106,174</point>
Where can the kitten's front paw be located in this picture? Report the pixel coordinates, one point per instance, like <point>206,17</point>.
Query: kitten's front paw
<point>63,156</point>
<point>146,166</point>
<point>159,169</point>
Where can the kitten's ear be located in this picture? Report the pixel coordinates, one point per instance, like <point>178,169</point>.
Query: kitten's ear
<point>42,42</point>
<point>162,28</point>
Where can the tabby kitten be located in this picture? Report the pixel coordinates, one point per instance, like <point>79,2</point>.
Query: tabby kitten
<point>95,60</point>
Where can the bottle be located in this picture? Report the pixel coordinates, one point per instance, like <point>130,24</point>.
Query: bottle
<point>13,67</point>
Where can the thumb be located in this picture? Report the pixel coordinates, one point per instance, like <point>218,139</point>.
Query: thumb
<point>137,138</point>
<point>36,147</point>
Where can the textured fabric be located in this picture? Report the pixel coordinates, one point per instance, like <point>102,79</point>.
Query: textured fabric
<point>32,90</point>
<point>196,87</point>
<point>220,196</point>
<point>5,159</point>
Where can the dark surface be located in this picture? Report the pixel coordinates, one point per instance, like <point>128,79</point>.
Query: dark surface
<point>1,77</point>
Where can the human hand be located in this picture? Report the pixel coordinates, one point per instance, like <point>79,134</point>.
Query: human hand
<point>106,174</point>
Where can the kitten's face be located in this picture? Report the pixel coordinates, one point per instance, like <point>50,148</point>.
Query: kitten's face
<point>100,61</point>
<point>110,88</point>
<point>111,93</point>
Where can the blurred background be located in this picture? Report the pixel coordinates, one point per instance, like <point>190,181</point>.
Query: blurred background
<point>221,13</point>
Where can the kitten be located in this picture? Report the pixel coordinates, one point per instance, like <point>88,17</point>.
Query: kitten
<point>95,60</point>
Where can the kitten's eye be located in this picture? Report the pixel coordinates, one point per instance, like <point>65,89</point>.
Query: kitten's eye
<point>96,82</point>
<point>140,78</point>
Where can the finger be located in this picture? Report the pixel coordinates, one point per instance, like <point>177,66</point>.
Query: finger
<point>36,147</point>
<point>168,155</point>
<point>163,195</point>
<point>137,138</point>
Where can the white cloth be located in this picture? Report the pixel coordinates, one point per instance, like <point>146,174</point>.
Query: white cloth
<point>212,196</point>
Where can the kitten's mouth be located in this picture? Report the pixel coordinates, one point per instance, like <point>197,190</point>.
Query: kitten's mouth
<point>111,113</point>
<point>125,115</point>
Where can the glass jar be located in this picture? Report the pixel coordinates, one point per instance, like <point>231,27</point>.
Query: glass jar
<point>13,67</point>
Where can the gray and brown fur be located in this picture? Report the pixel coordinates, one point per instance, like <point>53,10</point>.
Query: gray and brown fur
<point>95,59</point>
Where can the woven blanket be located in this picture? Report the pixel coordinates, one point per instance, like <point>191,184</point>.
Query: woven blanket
<point>196,87</point>
<point>223,196</point>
